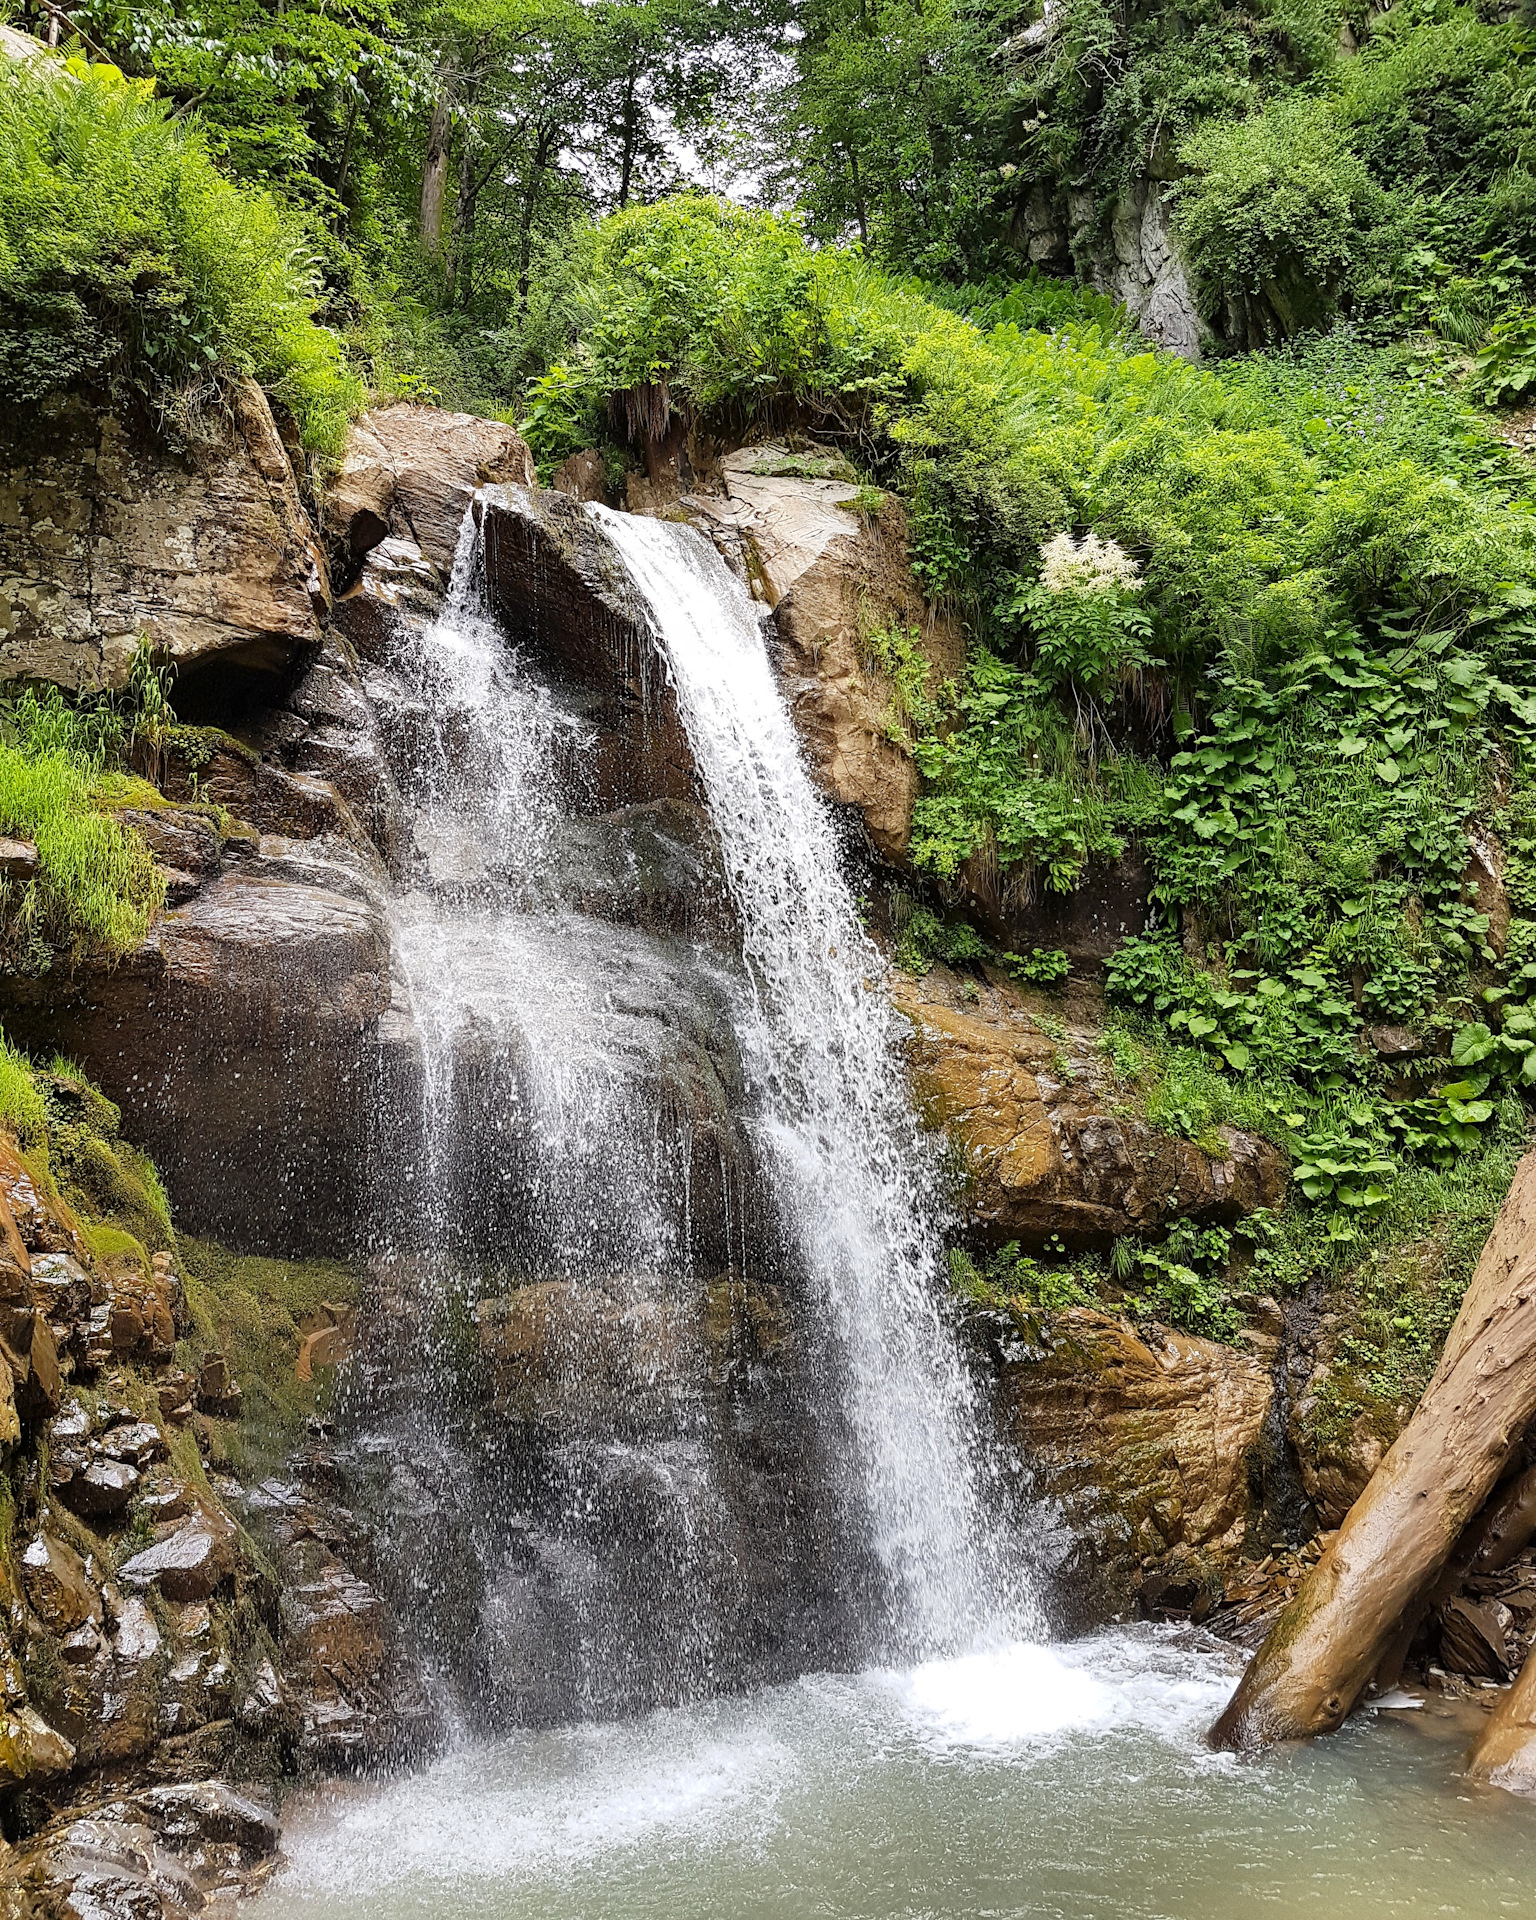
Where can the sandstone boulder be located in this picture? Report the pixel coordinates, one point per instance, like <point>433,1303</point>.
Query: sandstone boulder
<point>833,578</point>
<point>410,471</point>
<point>1146,1445</point>
<point>106,535</point>
<point>1044,1156</point>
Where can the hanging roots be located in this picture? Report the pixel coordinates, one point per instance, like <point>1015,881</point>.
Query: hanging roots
<point>642,412</point>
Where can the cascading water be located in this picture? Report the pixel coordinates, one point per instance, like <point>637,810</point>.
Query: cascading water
<point>858,1181</point>
<point>751,1452</point>
<point>592,1485</point>
<point>660,1378</point>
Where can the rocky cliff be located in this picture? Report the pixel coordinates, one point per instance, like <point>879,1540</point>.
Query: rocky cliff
<point>196,1582</point>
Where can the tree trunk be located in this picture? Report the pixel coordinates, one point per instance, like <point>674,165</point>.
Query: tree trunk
<point>434,173</point>
<point>463,220</point>
<point>858,198</point>
<point>1504,1753</point>
<point>344,171</point>
<point>543,148</point>
<point>629,120</point>
<point>1400,1533</point>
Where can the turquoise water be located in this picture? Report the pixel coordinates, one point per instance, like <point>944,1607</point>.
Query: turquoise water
<point>1067,1781</point>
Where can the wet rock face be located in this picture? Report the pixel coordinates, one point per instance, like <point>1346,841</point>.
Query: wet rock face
<point>832,580</point>
<point>351,1681</point>
<point>1148,1450</point>
<point>163,1853</point>
<point>105,536</point>
<point>111,1658</point>
<point>236,1038</point>
<point>563,598</point>
<point>1044,1156</point>
<point>623,1500</point>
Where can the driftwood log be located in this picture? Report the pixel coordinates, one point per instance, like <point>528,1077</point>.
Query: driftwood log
<point>1352,1609</point>
<point>1504,1754</point>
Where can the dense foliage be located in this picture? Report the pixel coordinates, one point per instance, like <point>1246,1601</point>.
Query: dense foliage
<point>126,256</point>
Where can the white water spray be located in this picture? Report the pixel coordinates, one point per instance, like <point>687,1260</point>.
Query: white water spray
<point>857,1178</point>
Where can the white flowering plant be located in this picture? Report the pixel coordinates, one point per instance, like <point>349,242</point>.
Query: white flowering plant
<point>1085,614</point>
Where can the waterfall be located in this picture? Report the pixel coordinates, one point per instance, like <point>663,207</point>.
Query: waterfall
<point>661,1397</point>
<point>856,1177</point>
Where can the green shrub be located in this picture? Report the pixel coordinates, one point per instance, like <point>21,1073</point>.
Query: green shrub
<point>126,256</point>
<point>1278,213</point>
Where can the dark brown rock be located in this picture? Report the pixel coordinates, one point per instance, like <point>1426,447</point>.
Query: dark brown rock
<point>102,1491</point>
<point>188,1564</point>
<point>58,1589</point>
<point>563,596</point>
<point>1472,1638</point>
<point>581,475</point>
<point>179,838</point>
<point>217,1390</point>
<point>37,1398</point>
<point>235,1041</point>
<point>398,582</point>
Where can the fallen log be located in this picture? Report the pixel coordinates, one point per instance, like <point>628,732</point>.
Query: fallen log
<point>1396,1539</point>
<point>1504,1753</point>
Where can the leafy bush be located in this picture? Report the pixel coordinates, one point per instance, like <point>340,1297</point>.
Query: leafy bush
<point>125,256</point>
<point>1277,214</point>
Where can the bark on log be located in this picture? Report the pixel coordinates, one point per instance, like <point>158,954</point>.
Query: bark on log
<point>1399,1534</point>
<point>1504,1754</point>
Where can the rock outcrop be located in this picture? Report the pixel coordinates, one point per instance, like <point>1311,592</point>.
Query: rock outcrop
<point>1147,1450</point>
<point>562,595</point>
<point>105,536</point>
<point>408,473</point>
<point>1044,1154</point>
<point>834,576</point>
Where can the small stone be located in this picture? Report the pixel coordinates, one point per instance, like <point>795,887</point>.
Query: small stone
<point>104,1489</point>
<point>81,1646</point>
<point>175,1392</point>
<point>126,1328</point>
<point>138,1443</point>
<point>58,1586</point>
<point>217,1391</point>
<point>18,859</point>
<point>72,1423</point>
<point>171,1502</point>
<point>62,1287</point>
<point>187,1566</point>
<point>209,1810</point>
<point>137,1638</point>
